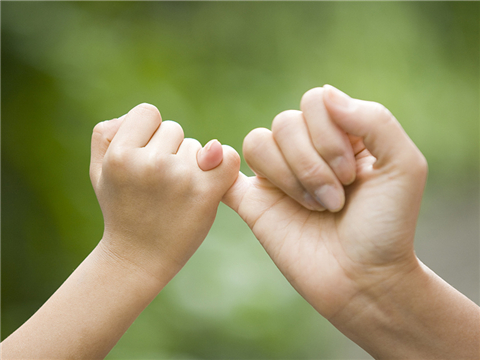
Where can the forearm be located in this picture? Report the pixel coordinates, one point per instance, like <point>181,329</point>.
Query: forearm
<point>421,317</point>
<point>88,314</point>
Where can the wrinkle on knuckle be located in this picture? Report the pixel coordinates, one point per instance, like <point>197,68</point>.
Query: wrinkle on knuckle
<point>310,174</point>
<point>328,149</point>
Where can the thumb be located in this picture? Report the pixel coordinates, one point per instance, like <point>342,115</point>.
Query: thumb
<point>102,136</point>
<point>382,134</point>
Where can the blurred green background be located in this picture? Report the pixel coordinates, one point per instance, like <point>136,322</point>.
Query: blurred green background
<point>221,69</point>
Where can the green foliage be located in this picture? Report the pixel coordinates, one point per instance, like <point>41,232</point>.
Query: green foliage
<point>220,69</point>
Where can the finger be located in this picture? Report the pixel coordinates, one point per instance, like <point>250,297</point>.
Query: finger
<point>138,127</point>
<point>291,134</point>
<point>167,138</point>
<point>103,134</point>
<point>210,156</point>
<point>236,194</point>
<point>222,177</point>
<point>265,158</point>
<point>329,140</point>
<point>357,144</point>
<point>189,148</point>
<point>215,181</point>
<point>382,134</point>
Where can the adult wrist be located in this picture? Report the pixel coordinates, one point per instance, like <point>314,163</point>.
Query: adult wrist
<point>419,317</point>
<point>377,316</point>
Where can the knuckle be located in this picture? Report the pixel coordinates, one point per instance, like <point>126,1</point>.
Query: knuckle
<point>147,110</point>
<point>290,183</point>
<point>329,147</point>
<point>419,165</point>
<point>311,174</point>
<point>173,127</point>
<point>101,132</point>
<point>312,96</point>
<point>156,160</point>
<point>192,143</point>
<point>116,159</point>
<point>285,119</point>
<point>254,140</point>
<point>231,156</point>
<point>149,170</point>
<point>147,107</point>
<point>99,128</point>
<point>381,112</point>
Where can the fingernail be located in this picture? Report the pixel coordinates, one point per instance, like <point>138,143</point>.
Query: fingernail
<point>343,169</point>
<point>209,144</point>
<point>312,203</point>
<point>329,197</point>
<point>337,97</point>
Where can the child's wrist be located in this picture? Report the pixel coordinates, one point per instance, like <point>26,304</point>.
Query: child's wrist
<point>127,255</point>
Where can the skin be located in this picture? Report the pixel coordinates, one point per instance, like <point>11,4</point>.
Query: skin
<point>355,264</point>
<point>159,194</point>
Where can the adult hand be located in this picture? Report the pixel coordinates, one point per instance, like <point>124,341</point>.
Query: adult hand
<point>330,257</point>
<point>355,263</point>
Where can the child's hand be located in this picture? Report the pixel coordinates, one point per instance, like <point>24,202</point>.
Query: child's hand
<point>157,202</point>
<point>159,194</point>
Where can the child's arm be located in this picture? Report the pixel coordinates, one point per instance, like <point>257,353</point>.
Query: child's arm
<point>356,263</point>
<point>158,206</point>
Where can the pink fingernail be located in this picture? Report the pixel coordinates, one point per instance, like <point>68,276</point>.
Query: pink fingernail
<point>209,144</point>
